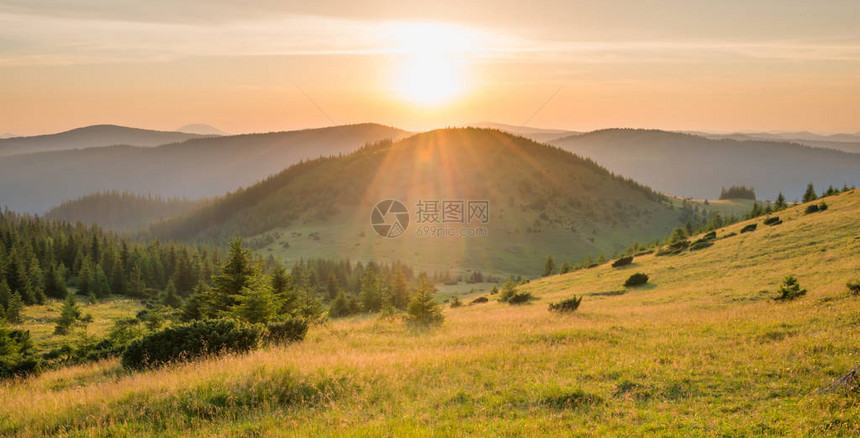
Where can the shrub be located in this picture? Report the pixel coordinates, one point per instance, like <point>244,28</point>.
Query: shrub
<point>455,302</point>
<point>566,306</point>
<point>674,248</point>
<point>622,261</point>
<point>642,253</point>
<point>17,355</point>
<point>192,340</point>
<point>709,236</point>
<point>479,300</point>
<point>854,287</point>
<point>423,308</point>
<point>822,206</point>
<point>508,290</point>
<point>811,209</point>
<point>701,244</point>
<point>520,298</point>
<point>790,289</point>
<point>636,279</point>
<point>730,235</point>
<point>287,330</point>
<point>749,228</point>
<point>772,221</point>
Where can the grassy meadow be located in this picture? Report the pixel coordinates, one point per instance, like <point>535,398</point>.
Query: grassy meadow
<point>701,350</point>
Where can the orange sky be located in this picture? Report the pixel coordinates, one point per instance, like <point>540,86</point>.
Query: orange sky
<point>685,65</point>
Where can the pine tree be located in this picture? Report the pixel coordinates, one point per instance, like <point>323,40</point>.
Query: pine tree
<point>100,286</point>
<point>400,289</point>
<point>171,297</point>
<point>5,294</point>
<point>55,283</point>
<point>809,195</point>
<point>236,275</point>
<point>549,266</point>
<point>68,315</point>
<point>84,278</point>
<point>780,202</point>
<point>15,308</point>
<point>565,267</point>
<point>36,281</point>
<point>136,285</point>
<point>340,306</point>
<point>257,303</point>
<point>370,297</point>
<point>678,234</point>
<point>423,308</point>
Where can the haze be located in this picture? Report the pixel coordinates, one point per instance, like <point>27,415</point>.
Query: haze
<point>265,65</point>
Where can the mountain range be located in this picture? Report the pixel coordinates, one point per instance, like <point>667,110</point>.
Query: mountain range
<point>195,168</point>
<point>90,136</point>
<point>694,166</point>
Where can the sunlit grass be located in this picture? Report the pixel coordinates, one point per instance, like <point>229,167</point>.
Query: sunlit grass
<point>703,350</point>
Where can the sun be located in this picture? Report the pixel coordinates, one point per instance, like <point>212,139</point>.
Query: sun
<point>431,65</point>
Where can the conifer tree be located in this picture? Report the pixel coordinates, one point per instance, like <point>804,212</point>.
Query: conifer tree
<point>100,286</point>
<point>809,195</point>
<point>780,202</point>
<point>423,308</point>
<point>15,308</point>
<point>549,266</point>
<point>68,315</point>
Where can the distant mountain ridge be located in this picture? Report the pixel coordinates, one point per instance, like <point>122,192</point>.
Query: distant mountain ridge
<point>201,129</point>
<point>690,165</point>
<point>541,200</point>
<point>196,168</point>
<point>91,136</point>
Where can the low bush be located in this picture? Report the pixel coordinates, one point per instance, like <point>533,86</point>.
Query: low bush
<point>701,244</point>
<point>636,279</point>
<point>642,253</point>
<point>790,289</point>
<point>822,206</point>
<point>479,300</point>
<point>811,209</point>
<point>287,330</point>
<point>772,221</point>
<point>566,306</point>
<point>622,261</point>
<point>749,228</point>
<point>854,287</point>
<point>192,340</point>
<point>520,298</point>
<point>455,302</point>
<point>732,234</point>
<point>674,248</point>
<point>17,355</point>
<point>710,236</point>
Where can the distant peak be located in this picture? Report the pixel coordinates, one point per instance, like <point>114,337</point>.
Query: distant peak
<point>201,129</point>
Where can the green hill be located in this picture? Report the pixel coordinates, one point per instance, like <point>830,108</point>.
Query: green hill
<point>192,169</point>
<point>541,200</point>
<point>120,211</point>
<point>689,165</point>
<point>701,350</point>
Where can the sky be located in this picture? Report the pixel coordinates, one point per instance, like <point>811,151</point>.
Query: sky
<point>259,66</point>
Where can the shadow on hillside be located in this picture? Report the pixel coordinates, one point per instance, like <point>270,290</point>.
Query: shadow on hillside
<point>608,293</point>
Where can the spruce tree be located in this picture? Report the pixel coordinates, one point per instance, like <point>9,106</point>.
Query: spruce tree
<point>100,286</point>
<point>340,306</point>
<point>170,297</point>
<point>809,195</point>
<point>257,303</point>
<point>68,315</point>
<point>15,308</point>
<point>423,308</point>
<point>549,266</point>
<point>780,202</point>
<point>5,294</point>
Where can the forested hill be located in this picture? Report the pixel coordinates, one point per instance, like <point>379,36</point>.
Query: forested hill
<point>120,211</point>
<point>542,199</point>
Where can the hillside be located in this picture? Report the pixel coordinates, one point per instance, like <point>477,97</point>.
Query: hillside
<point>841,142</point>
<point>701,350</point>
<point>541,200</point>
<point>193,169</point>
<point>689,165</point>
<point>540,135</point>
<point>120,211</point>
<point>91,136</point>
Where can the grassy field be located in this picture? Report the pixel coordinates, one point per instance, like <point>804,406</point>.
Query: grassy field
<point>702,350</point>
<point>40,320</point>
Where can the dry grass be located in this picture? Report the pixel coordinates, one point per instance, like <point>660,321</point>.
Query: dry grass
<point>700,351</point>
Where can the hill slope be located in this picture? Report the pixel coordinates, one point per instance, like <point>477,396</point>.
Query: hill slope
<point>688,165</point>
<point>89,137</point>
<point>541,200</point>
<point>700,351</point>
<point>120,211</point>
<point>192,169</point>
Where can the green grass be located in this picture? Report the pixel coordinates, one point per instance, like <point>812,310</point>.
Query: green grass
<point>702,350</point>
<point>40,320</point>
